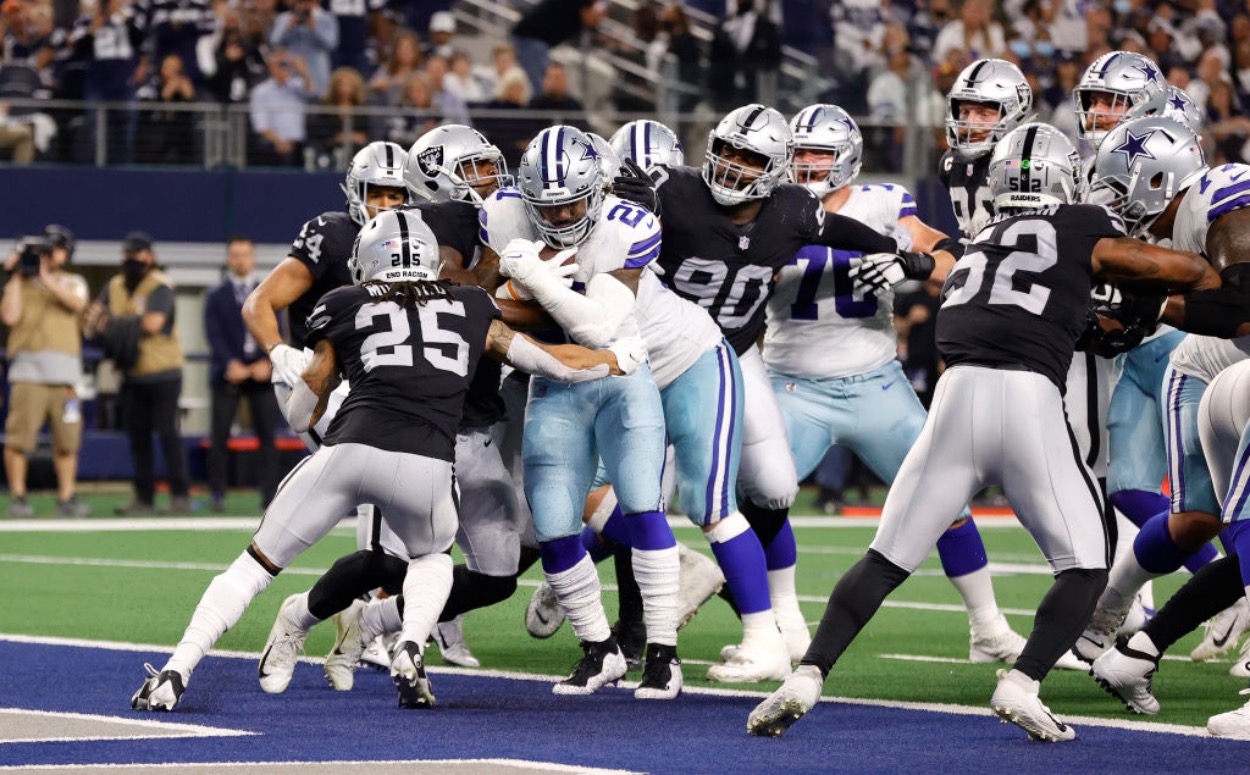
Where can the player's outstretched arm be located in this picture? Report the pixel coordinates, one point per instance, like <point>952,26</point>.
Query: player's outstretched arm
<point>1136,263</point>
<point>1225,311</point>
<point>310,394</point>
<point>563,363</point>
<point>926,239</point>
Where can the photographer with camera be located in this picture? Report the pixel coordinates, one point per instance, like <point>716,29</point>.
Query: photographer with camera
<point>40,306</point>
<point>312,34</point>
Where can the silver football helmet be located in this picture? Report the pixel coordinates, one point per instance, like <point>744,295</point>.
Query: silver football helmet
<point>649,144</point>
<point>826,128</point>
<point>377,164</point>
<point>754,131</point>
<point>395,246</point>
<point>1171,103</point>
<point>561,182</point>
<point>992,83</point>
<point>451,162</point>
<point>608,159</point>
<point>1142,165</point>
<point>1034,165</point>
<point>1128,77</point>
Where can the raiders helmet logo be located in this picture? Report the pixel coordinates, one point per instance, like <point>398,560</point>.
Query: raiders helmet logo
<point>430,161</point>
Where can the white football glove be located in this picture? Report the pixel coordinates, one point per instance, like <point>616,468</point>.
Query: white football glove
<point>631,352</point>
<point>520,260</point>
<point>288,364</point>
<point>876,272</point>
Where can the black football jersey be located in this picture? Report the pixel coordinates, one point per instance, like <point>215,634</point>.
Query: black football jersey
<point>1018,297</point>
<point>969,190</point>
<point>409,369</point>
<point>455,225</point>
<point>324,244</point>
<point>730,269</point>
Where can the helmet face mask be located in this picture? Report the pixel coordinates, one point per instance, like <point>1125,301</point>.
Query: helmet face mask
<point>996,85</point>
<point>1109,88</point>
<point>1033,166</point>
<point>377,165</point>
<point>828,149</point>
<point>1142,165</point>
<point>455,163</point>
<point>562,185</point>
<point>395,246</point>
<point>748,155</point>
<point>649,144</point>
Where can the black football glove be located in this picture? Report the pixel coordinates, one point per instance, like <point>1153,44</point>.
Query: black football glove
<point>632,184</point>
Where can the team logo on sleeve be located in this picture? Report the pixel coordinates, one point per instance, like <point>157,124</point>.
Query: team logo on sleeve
<point>430,161</point>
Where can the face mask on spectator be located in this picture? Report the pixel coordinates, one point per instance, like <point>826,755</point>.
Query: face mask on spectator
<point>1122,7</point>
<point>1021,49</point>
<point>1045,49</point>
<point>134,269</point>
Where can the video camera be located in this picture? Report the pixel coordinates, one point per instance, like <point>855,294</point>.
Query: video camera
<point>31,251</point>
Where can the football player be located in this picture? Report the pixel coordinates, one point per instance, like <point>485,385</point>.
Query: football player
<point>729,227</point>
<point>831,352</point>
<point>1011,312</point>
<point>409,344</point>
<point>604,244</point>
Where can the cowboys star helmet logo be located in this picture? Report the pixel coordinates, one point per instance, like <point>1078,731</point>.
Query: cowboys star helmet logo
<point>431,160</point>
<point>1134,146</point>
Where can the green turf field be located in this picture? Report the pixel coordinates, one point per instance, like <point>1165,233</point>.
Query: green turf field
<point>142,586</point>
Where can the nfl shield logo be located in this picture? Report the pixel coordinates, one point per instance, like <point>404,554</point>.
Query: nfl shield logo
<point>744,242</point>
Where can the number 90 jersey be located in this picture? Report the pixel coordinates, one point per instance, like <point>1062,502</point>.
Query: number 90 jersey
<point>967,183</point>
<point>818,326</point>
<point>1019,297</point>
<point>409,369</point>
<point>626,236</point>
<point>1220,190</point>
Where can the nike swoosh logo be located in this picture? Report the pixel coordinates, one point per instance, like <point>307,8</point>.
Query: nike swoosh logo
<point>1062,726</point>
<point>888,385</point>
<point>538,614</point>
<point>1236,177</point>
<point>1161,357</point>
<point>1222,639</point>
<point>264,657</point>
<point>1097,643</point>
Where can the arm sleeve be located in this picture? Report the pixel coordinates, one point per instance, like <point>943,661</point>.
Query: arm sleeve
<point>529,357</point>
<point>838,231</point>
<point>1220,311</point>
<point>592,319</point>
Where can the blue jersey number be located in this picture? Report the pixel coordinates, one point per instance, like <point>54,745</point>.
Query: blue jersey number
<point>629,215</point>
<point>815,260</point>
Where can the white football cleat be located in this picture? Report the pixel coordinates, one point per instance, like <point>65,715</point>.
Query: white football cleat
<point>451,644</point>
<point>1241,668</point>
<point>378,653</point>
<point>764,656</point>
<point>408,673</point>
<point>1016,700</point>
<point>793,626</point>
<point>1100,633</point>
<point>544,615</point>
<point>699,579</point>
<point>282,649</point>
<point>1234,724</point>
<point>349,646</point>
<point>791,702</point>
<point>1223,632</point>
<point>160,690</point>
<point>601,664</point>
<point>995,642</point>
<point>661,674</point>
<point>1127,673</point>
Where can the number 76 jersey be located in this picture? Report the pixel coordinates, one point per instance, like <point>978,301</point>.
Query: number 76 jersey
<point>818,326</point>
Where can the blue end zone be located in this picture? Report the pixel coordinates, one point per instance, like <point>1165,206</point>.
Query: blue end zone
<point>485,717</point>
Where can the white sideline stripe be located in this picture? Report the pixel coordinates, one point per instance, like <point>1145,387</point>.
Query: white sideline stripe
<point>959,661</point>
<point>184,730</point>
<point>107,525</point>
<point>962,710</point>
<point>361,763</point>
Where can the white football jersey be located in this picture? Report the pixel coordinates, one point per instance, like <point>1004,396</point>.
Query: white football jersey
<point>1220,190</point>
<point>818,326</point>
<point>626,236</point>
<point>677,331</point>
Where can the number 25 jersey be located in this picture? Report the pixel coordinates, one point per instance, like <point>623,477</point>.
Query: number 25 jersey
<point>409,368</point>
<point>1018,298</point>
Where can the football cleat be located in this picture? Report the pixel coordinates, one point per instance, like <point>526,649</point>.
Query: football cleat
<point>1100,634</point>
<point>1234,724</point>
<point>1137,617</point>
<point>791,702</point>
<point>793,626</point>
<point>1015,700</point>
<point>160,691</point>
<point>377,654</point>
<point>544,615</point>
<point>995,642</point>
<point>632,640</point>
<point>1223,632</point>
<point>700,578</point>
<point>764,658</point>
<point>602,663</point>
<point>1127,673</point>
<point>661,676</point>
<point>349,646</point>
<point>451,644</point>
<point>408,673</point>
<point>286,641</point>
<point>1241,668</point>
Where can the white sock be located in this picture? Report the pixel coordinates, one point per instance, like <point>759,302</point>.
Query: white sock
<point>977,590</point>
<point>759,626</point>
<point>577,589</point>
<point>784,597</point>
<point>1127,577</point>
<point>380,617</point>
<point>427,585</point>
<point>220,608</point>
<point>299,615</point>
<point>657,573</point>
<point>1142,642</point>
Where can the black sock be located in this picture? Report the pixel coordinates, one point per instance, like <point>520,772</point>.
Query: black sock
<point>627,591</point>
<point>1061,617</point>
<point>854,602</point>
<point>352,576</point>
<point>1215,586</point>
<point>727,595</point>
<point>765,522</point>
<point>471,590</point>
<point>529,556</point>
